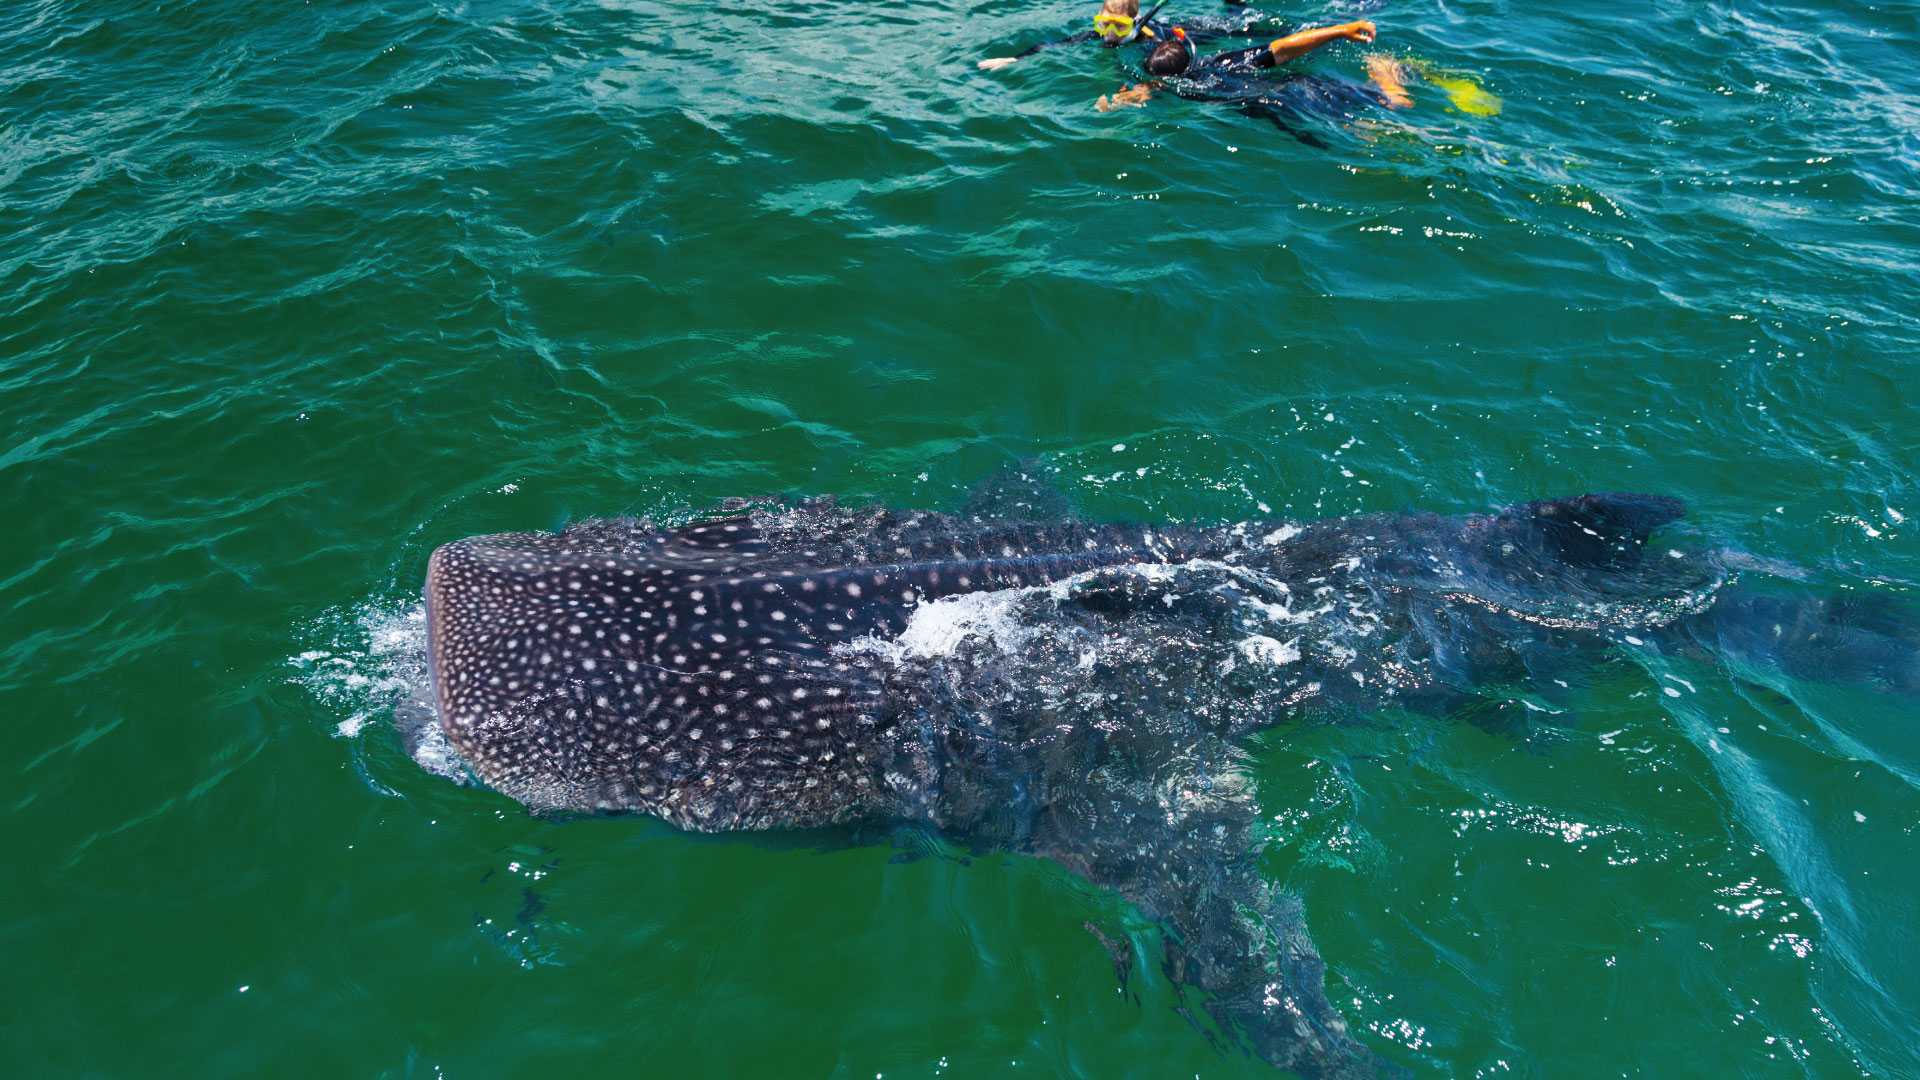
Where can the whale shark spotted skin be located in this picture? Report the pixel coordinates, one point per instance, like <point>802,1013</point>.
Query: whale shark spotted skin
<point>691,672</point>
<point>1072,690</point>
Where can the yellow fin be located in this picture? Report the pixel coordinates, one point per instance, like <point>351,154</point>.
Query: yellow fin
<point>1464,93</point>
<point>1467,96</point>
<point>1470,99</point>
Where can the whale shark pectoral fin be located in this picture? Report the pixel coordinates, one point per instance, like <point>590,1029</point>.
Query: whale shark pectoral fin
<point>1178,845</point>
<point>1244,946</point>
<point>1284,1017</point>
<point>1120,951</point>
<point>1598,530</point>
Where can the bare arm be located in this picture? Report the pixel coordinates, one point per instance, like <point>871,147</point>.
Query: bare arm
<point>995,63</point>
<point>1297,45</point>
<point>1135,95</point>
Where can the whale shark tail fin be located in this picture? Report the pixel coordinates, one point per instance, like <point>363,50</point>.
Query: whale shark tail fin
<point>1606,529</point>
<point>1869,639</point>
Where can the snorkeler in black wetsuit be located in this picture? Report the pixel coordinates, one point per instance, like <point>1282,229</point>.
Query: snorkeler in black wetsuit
<point>1120,23</point>
<point>1234,78</point>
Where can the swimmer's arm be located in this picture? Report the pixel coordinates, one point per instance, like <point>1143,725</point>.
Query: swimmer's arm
<point>1135,95</point>
<point>995,63</point>
<point>1294,46</point>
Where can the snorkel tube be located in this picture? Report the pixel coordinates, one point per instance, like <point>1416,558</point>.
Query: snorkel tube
<point>1140,24</point>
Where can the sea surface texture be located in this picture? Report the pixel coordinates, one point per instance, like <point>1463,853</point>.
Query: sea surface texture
<point>290,293</point>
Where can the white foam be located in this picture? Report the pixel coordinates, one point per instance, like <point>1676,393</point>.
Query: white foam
<point>368,658</point>
<point>1261,649</point>
<point>432,752</point>
<point>366,662</point>
<point>1283,613</point>
<point>938,627</point>
<point>1281,535</point>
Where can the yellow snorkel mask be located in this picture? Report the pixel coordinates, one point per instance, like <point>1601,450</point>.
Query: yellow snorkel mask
<point>1117,29</point>
<point>1112,27</point>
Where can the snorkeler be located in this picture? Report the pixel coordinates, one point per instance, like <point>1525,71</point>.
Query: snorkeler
<point>1120,23</point>
<point>1232,78</point>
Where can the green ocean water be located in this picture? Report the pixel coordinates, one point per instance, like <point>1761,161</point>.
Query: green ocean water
<point>291,293</point>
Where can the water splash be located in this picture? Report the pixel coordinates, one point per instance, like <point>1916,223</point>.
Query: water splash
<point>367,662</point>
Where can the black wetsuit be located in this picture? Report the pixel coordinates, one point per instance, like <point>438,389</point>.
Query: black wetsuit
<point>1234,78</point>
<point>1205,28</point>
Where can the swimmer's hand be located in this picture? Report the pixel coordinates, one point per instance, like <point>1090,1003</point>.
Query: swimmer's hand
<point>1296,45</point>
<point>1134,96</point>
<point>995,63</point>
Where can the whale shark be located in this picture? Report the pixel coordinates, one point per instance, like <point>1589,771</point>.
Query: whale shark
<point>1018,679</point>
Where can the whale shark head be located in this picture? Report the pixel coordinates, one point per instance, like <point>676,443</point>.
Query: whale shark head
<point>522,632</point>
<point>690,672</point>
<point>618,666</point>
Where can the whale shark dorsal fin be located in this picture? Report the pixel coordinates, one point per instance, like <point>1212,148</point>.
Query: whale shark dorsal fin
<point>1600,529</point>
<point>1019,491</point>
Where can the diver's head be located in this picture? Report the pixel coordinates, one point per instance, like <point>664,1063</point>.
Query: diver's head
<point>1116,22</point>
<point>1171,56</point>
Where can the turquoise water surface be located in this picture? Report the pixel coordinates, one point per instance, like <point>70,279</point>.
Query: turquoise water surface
<point>292,293</point>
